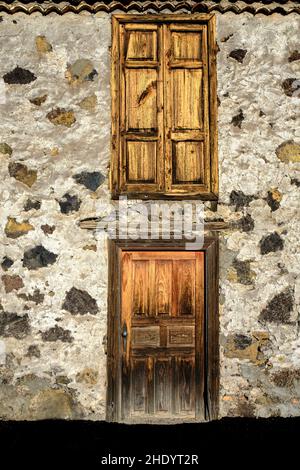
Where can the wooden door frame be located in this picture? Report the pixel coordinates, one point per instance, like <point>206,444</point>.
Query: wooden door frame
<point>211,319</point>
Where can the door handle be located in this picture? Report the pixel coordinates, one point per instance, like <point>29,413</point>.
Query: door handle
<point>124,335</point>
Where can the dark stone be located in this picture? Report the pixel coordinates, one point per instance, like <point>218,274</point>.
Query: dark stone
<point>218,101</point>
<point>238,54</point>
<point>37,297</point>
<point>279,308</point>
<point>38,257</point>
<point>242,341</point>
<point>48,229</point>
<point>62,380</point>
<point>31,204</point>
<point>295,55</point>
<point>14,325</point>
<point>261,113</point>
<point>79,302</point>
<point>243,271</point>
<point>238,119</point>
<point>92,75</point>
<point>291,86</point>
<point>91,180</point>
<point>38,100</point>
<point>57,333</point>
<point>286,377</point>
<point>274,204</point>
<point>239,199</point>
<point>271,243</point>
<point>225,38</point>
<point>33,351</point>
<point>213,206</point>
<point>6,263</point>
<point>296,182</point>
<point>19,76</point>
<point>246,223</point>
<point>69,203</point>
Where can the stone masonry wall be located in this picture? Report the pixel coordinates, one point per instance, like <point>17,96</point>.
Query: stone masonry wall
<point>54,157</point>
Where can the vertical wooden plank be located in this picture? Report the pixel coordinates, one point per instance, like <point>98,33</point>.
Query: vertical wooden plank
<point>150,385</point>
<point>183,289</point>
<point>212,330</point>
<point>162,292</point>
<point>213,105</point>
<point>167,107</point>
<point>113,330</point>
<point>160,114</point>
<point>140,288</point>
<point>126,306</point>
<point>175,386</point>
<point>206,110</point>
<point>115,123</point>
<point>200,337</point>
<point>187,385</point>
<point>162,385</point>
<point>122,110</point>
<point>138,385</point>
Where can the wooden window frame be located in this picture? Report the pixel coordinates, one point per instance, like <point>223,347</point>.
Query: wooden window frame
<point>116,165</point>
<point>211,319</point>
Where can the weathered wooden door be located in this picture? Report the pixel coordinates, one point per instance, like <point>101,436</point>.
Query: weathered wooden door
<point>162,336</point>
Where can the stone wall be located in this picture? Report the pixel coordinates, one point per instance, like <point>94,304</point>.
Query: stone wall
<point>54,157</point>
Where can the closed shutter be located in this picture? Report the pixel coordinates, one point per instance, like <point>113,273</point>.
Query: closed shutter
<point>162,336</point>
<point>163,107</point>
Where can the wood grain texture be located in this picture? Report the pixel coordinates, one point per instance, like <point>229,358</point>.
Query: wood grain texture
<point>163,95</point>
<point>136,380</point>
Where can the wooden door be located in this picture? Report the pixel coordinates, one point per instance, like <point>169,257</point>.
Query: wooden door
<point>162,336</point>
<point>164,107</point>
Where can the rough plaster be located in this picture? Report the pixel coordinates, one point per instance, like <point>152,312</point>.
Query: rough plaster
<point>53,308</point>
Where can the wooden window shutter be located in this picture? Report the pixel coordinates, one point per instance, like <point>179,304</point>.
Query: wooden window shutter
<point>164,140</point>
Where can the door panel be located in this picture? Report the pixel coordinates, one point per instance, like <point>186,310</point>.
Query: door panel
<point>162,332</point>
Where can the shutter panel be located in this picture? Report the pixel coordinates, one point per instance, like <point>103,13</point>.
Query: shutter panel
<point>141,123</point>
<point>164,107</point>
<point>187,126</point>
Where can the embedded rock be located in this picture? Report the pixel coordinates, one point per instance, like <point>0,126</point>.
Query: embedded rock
<point>291,87</point>
<point>69,204</point>
<point>88,103</point>
<point>80,302</point>
<point>57,333</point>
<point>61,117</point>
<point>38,257</point>
<point>288,151</point>
<point>271,243</point>
<point>14,325</point>
<point>239,199</point>
<point>42,45</point>
<point>278,309</point>
<point>31,204</point>
<point>91,180</point>
<point>80,71</point>
<point>21,173</point>
<point>238,55</point>
<point>11,283</point>
<point>6,263</point>
<point>14,229</point>
<point>238,119</point>
<point>5,149</point>
<point>19,76</point>
<point>273,199</point>
<point>39,100</point>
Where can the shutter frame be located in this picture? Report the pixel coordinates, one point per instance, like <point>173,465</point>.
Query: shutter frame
<point>154,182</point>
